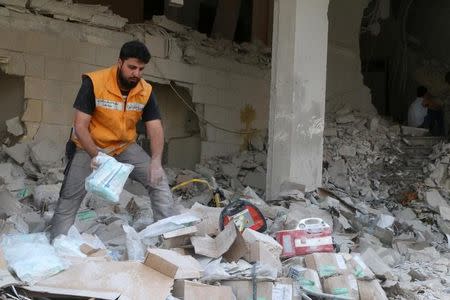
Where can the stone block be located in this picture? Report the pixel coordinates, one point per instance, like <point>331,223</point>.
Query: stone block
<point>212,149</point>
<point>34,65</point>
<point>55,113</point>
<point>57,134</point>
<point>46,154</point>
<point>33,111</point>
<point>105,56</point>
<point>172,70</point>
<point>59,69</point>
<point>18,152</point>
<point>255,179</point>
<point>41,89</point>
<point>435,200</point>
<point>11,39</point>
<point>69,92</point>
<point>43,44</point>
<point>79,51</point>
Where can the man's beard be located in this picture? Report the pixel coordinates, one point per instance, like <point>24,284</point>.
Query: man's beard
<point>124,83</point>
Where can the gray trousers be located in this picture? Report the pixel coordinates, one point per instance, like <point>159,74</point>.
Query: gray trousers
<point>73,191</point>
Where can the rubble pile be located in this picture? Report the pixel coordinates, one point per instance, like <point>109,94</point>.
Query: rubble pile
<point>363,158</point>
<point>373,246</point>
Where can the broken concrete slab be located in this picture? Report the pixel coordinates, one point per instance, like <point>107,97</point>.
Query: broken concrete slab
<point>14,126</point>
<point>46,194</point>
<point>18,152</point>
<point>435,200</point>
<point>9,206</point>
<point>46,154</point>
<point>444,211</point>
<point>377,265</point>
<point>255,179</point>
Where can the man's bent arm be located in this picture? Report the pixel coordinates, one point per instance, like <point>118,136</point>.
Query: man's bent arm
<point>81,124</point>
<point>156,134</point>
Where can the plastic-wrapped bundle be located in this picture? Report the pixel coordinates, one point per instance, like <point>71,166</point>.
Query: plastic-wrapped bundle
<point>108,179</point>
<point>31,256</point>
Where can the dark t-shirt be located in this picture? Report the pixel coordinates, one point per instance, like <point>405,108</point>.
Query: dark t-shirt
<point>85,102</point>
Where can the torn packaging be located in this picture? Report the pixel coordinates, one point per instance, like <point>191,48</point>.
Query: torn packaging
<point>344,285</point>
<point>326,264</point>
<point>175,265</point>
<point>207,246</point>
<point>189,290</point>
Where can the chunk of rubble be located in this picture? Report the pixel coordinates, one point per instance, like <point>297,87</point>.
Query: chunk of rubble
<point>46,154</point>
<point>18,152</point>
<point>14,126</point>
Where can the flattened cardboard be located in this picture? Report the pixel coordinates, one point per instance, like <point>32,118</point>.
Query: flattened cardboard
<point>343,285</point>
<point>243,289</point>
<point>173,264</point>
<point>326,264</point>
<point>215,248</point>
<point>257,252</point>
<point>73,293</point>
<point>237,250</point>
<point>133,280</point>
<point>180,232</point>
<point>189,290</point>
<point>210,219</point>
<point>371,290</point>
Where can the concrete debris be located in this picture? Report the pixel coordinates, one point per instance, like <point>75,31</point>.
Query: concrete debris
<point>400,227</point>
<point>14,126</point>
<point>46,154</point>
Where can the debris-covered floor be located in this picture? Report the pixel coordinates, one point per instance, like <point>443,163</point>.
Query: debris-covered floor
<point>384,196</point>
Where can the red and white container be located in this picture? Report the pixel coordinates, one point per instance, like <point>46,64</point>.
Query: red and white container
<point>311,235</point>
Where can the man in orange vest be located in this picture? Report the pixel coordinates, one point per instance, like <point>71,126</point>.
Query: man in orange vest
<point>108,106</point>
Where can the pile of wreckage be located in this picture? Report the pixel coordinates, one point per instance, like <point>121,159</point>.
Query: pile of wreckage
<point>352,239</point>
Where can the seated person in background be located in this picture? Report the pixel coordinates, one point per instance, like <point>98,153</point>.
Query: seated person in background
<point>434,120</point>
<point>417,110</point>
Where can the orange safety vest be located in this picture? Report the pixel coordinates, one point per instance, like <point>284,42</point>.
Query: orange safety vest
<point>113,123</point>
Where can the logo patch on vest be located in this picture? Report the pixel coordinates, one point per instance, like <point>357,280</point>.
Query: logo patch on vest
<point>135,106</point>
<point>109,104</point>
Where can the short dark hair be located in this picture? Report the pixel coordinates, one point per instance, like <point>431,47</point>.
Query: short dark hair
<point>135,49</point>
<point>421,91</point>
<point>447,77</point>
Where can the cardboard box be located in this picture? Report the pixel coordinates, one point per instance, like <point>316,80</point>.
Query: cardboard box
<point>209,219</point>
<point>251,236</point>
<point>282,289</point>
<point>173,264</point>
<point>326,264</point>
<point>371,290</point>
<point>189,290</point>
<point>180,232</point>
<point>359,269</point>
<point>308,279</point>
<point>207,246</point>
<point>257,252</point>
<point>343,285</point>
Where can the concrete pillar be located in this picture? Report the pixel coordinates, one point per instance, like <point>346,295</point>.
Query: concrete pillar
<point>297,99</point>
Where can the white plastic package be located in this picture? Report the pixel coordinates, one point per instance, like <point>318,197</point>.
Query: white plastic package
<point>135,247</point>
<point>31,256</point>
<point>108,179</point>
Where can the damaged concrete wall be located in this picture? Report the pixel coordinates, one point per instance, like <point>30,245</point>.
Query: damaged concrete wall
<point>227,88</point>
<point>51,55</point>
